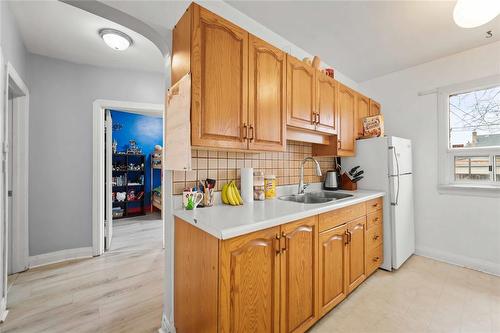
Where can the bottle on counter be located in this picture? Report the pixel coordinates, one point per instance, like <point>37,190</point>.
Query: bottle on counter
<point>258,186</point>
<point>270,186</point>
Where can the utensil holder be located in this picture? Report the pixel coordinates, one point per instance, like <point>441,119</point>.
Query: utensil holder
<point>347,183</point>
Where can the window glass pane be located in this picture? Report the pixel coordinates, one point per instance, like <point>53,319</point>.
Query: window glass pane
<point>497,163</point>
<point>475,168</point>
<point>475,118</point>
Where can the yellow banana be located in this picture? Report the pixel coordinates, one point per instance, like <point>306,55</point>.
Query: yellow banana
<point>224,194</point>
<point>231,196</point>
<point>238,196</point>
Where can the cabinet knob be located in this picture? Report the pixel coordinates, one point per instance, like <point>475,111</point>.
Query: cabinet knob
<point>376,219</point>
<point>375,237</point>
<point>376,259</point>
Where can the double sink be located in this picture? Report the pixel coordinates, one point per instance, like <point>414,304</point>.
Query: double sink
<point>315,197</point>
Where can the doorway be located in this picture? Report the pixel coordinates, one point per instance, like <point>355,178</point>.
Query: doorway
<point>14,181</point>
<point>128,176</point>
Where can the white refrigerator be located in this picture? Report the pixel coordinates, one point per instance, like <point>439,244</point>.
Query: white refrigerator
<point>387,165</point>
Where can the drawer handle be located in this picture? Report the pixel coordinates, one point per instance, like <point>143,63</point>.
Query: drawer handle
<point>375,237</point>
<point>375,205</point>
<point>375,219</point>
<point>376,259</point>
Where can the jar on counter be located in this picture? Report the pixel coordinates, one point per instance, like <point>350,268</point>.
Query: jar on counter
<point>258,186</point>
<point>270,185</point>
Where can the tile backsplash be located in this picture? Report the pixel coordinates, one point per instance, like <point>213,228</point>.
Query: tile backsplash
<point>225,166</point>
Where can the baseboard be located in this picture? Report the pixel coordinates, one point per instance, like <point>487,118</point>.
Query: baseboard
<point>59,256</point>
<point>3,310</point>
<point>467,262</point>
<point>166,325</point>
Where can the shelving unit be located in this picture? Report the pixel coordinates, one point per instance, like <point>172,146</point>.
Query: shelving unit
<point>131,181</point>
<point>156,164</point>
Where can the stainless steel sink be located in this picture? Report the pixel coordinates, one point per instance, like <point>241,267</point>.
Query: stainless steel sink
<point>315,197</point>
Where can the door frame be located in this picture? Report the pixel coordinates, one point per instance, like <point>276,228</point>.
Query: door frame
<point>98,172</point>
<point>20,162</point>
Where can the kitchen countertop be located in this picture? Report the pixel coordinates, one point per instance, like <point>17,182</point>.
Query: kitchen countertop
<point>224,221</point>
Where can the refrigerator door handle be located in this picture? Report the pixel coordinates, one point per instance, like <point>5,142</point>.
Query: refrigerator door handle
<point>395,203</point>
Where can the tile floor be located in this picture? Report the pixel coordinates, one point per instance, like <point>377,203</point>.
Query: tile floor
<point>423,296</point>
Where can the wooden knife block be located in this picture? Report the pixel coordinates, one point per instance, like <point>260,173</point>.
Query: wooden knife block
<point>347,183</point>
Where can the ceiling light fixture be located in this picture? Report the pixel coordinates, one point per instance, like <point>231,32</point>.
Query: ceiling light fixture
<point>115,39</point>
<point>474,13</point>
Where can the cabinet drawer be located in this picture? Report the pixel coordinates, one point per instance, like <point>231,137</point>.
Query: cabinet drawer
<point>341,216</point>
<point>374,237</point>
<point>374,259</point>
<point>374,205</point>
<point>374,219</point>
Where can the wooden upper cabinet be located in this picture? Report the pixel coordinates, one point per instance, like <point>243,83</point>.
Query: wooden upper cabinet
<point>374,108</point>
<point>219,60</point>
<point>346,132</point>
<point>363,108</point>
<point>326,103</point>
<point>299,275</point>
<point>332,268</point>
<point>301,95</point>
<point>356,271</point>
<point>250,283</point>
<point>267,96</point>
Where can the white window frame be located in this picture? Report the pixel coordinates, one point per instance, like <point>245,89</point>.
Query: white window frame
<point>446,155</point>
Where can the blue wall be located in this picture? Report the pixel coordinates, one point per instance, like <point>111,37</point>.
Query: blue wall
<point>147,132</point>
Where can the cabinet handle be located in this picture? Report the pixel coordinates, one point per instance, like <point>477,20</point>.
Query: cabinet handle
<point>285,245</point>
<point>375,219</point>
<point>245,131</point>
<point>346,238</point>
<point>313,118</point>
<point>376,259</point>
<point>251,137</point>
<point>349,237</point>
<point>319,118</point>
<point>375,237</point>
<point>277,244</point>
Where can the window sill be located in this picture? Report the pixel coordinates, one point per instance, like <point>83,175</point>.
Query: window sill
<point>470,190</point>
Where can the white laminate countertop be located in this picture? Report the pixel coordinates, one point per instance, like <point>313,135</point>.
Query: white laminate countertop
<point>224,221</point>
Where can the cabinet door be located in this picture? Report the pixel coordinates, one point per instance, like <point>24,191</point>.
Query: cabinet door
<point>326,103</point>
<point>249,283</point>
<point>219,64</point>
<point>267,96</point>
<point>356,253</point>
<point>347,124</point>
<point>332,268</point>
<point>300,94</point>
<point>374,108</point>
<point>299,277</point>
<point>363,108</point>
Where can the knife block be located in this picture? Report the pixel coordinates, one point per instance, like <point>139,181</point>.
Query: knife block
<point>347,183</point>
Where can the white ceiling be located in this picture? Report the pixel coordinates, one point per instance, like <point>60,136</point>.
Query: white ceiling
<point>367,39</point>
<point>59,30</point>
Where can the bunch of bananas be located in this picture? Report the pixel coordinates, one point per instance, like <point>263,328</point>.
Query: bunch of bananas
<point>231,195</point>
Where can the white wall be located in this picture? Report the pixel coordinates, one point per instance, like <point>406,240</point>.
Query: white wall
<point>232,14</point>
<point>461,229</point>
<point>62,93</point>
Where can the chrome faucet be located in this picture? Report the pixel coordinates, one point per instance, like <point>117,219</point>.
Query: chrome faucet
<point>302,187</point>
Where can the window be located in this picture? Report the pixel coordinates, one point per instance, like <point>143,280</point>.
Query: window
<point>469,131</point>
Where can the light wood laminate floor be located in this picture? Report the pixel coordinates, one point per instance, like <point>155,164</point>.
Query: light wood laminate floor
<point>121,291</point>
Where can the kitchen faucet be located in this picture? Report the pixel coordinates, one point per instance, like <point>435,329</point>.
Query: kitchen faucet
<point>302,187</point>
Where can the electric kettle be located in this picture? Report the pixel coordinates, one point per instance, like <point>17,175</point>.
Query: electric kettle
<point>331,180</point>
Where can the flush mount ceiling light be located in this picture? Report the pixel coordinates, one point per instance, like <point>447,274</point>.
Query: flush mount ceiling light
<point>474,13</point>
<point>115,39</point>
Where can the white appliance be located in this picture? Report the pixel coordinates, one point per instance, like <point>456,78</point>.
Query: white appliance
<point>387,165</point>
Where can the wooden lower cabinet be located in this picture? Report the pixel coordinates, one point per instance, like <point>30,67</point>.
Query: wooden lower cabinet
<point>356,250</point>
<point>332,268</point>
<point>250,283</point>
<point>299,275</point>
<point>278,280</point>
